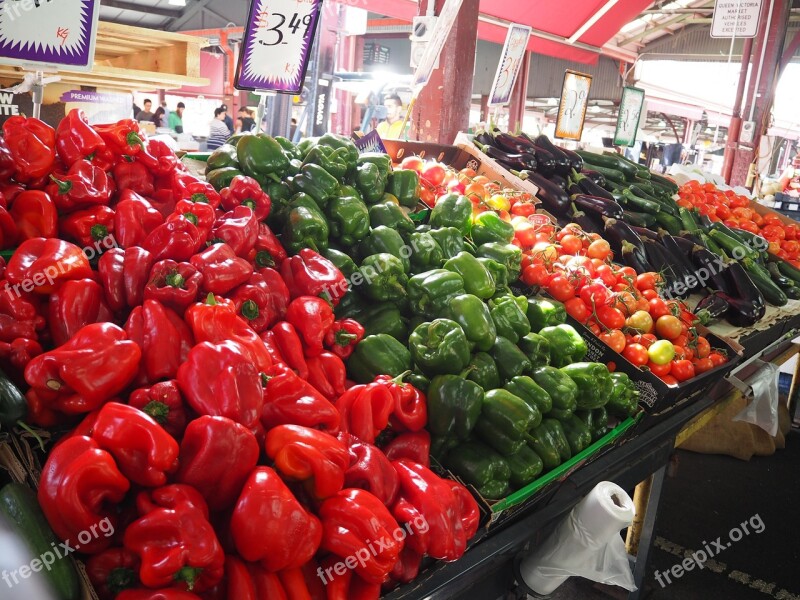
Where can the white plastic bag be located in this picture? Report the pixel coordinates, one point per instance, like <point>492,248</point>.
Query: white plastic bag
<point>763,388</point>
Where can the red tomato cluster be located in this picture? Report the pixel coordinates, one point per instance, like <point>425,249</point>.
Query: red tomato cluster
<point>618,305</point>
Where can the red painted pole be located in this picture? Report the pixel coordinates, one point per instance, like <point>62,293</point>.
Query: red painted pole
<point>519,95</point>
<point>736,119</point>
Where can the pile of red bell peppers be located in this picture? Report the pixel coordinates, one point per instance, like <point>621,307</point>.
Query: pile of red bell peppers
<point>198,375</point>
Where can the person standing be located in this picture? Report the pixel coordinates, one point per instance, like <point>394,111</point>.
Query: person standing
<point>159,118</point>
<point>228,119</point>
<point>176,118</point>
<point>145,114</point>
<point>392,127</point>
<point>218,133</point>
<point>248,122</point>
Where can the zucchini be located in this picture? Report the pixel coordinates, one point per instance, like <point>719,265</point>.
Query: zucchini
<point>688,220</point>
<point>19,506</point>
<point>786,268</point>
<point>643,171</point>
<point>670,185</point>
<point>668,222</point>
<point>640,204</point>
<point>13,406</point>
<point>638,219</point>
<point>779,278</point>
<point>614,175</point>
<point>712,246</point>
<point>644,184</point>
<point>610,161</point>
<point>733,247</point>
<point>771,292</point>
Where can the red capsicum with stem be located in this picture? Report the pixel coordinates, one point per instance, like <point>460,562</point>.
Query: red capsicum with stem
<point>20,314</point>
<point>123,138</point>
<point>312,317</point>
<point>239,229</point>
<point>410,411</point>
<point>20,352</point>
<point>327,373</point>
<point>130,174</point>
<point>369,469</point>
<point>31,143</point>
<point>288,399</point>
<point>174,240</point>
<point>75,304</point>
<point>415,446</point>
<point>164,403</point>
<point>76,140</point>
<point>222,270</point>
<point>365,410</point>
<point>246,191</point>
<point>112,571</point>
<point>42,264</point>
<point>134,219</point>
<point>189,187</point>
<point>262,300</point>
<point>311,274</point>
<point>123,275</point>
<point>175,285</point>
<point>199,214</point>
<point>35,215</point>
<point>90,227</point>
<point>158,158</point>
<point>83,185</point>
<point>348,586</point>
<point>268,251</point>
<point>343,337</point>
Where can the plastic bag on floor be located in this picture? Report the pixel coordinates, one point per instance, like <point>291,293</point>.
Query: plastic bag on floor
<point>763,388</point>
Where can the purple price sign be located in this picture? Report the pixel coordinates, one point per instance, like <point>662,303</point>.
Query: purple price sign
<point>48,34</point>
<point>277,45</point>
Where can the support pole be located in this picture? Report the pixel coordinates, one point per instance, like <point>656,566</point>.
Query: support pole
<point>519,95</point>
<point>736,119</point>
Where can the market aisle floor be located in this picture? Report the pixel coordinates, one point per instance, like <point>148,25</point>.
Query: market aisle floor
<point>706,499</point>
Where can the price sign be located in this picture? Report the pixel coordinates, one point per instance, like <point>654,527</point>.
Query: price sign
<point>572,107</point>
<point>434,48</point>
<point>44,35</point>
<point>630,111</point>
<point>277,45</point>
<point>510,61</point>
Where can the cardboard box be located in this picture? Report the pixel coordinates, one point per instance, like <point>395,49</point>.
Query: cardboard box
<point>765,210</point>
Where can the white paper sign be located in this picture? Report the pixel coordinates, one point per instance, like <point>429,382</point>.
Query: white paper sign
<point>572,107</point>
<point>736,18</point>
<point>510,61</point>
<point>434,48</point>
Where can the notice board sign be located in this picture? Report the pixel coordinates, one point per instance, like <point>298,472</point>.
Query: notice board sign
<point>736,18</point>
<point>277,45</point>
<point>510,61</point>
<point>572,106</point>
<point>630,112</point>
<point>434,48</point>
<point>44,35</point>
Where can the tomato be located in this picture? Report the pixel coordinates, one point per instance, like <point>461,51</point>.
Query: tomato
<point>641,321</point>
<point>669,380</point>
<point>578,310</point>
<point>748,226</point>
<point>661,352</point>
<point>668,327</point>
<point>413,163</point>
<point>659,370</point>
<point>636,354</point>
<point>574,262</point>
<point>613,318</point>
<point>599,249</point>
<point>596,294</point>
<point>476,192</point>
<point>626,275</point>
<point>594,327</point>
<point>560,288</point>
<point>647,281</point>
<point>571,244</point>
<point>773,233</point>
<point>658,308</point>
<point>649,295</point>
<point>717,358</point>
<point>701,365</point>
<point>606,274</point>
<point>525,233</point>
<point>434,173</point>
<point>702,348</point>
<point>546,250</point>
<point>614,339</point>
<point>682,370</point>
<point>535,275</point>
<point>625,302</point>
<point>646,340</point>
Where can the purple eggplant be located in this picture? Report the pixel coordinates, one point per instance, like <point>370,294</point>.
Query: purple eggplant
<point>712,271</point>
<point>748,306</point>
<point>552,196</point>
<point>711,307</point>
<point>617,231</point>
<point>597,205</point>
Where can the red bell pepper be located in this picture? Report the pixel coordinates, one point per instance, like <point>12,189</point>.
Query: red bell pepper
<point>311,274</point>
<point>164,403</point>
<point>238,581</point>
<point>40,265</point>
<point>35,214</point>
<point>267,585</point>
<point>268,249</point>
<point>32,145</point>
<point>134,220</point>
<point>75,304</point>
<point>20,352</point>
<point>78,482</point>
<point>441,515</point>
<point>288,399</point>
<point>269,343</point>
<point>9,232</point>
<point>112,571</point>
<point>406,568</point>
<point>144,452</point>
<point>89,227</point>
<point>343,337</point>
<point>410,411</point>
<point>221,380</point>
<point>346,586</point>
<point>124,274</point>
<point>174,540</point>
<point>415,446</point>
<point>222,270</point>
<point>122,137</point>
<point>327,374</point>
<point>164,338</point>
<point>246,191</point>
<point>175,285</point>
<point>369,469</point>
<point>365,410</point>
<point>95,364</point>
<point>217,456</point>
<point>165,594</point>
<point>352,520</point>
<point>262,300</point>
<point>130,174</point>
<point>175,240</point>
<point>213,322</point>
<point>7,167</point>
<point>164,201</point>
<point>158,158</point>
<point>312,317</point>
<point>83,185</point>
<point>189,187</point>
<point>269,524</point>
<point>314,457</point>
<point>20,314</point>
<point>10,190</point>
<point>239,229</point>
<point>76,139</point>
<point>199,214</point>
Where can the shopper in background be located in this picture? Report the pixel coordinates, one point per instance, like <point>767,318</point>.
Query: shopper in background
<point>159,118</point>
<point>219,132</point>
<point>292,128</point>
<point>246,117</point>
<point>167,113</point>
<point>392,127</point>
<point>176,118</point>
<point>145,114</point>
<point>228,120</point>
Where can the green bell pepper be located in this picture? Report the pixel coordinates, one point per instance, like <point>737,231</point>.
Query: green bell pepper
<point>280,195</point>
<point>425,252</point>
<point>525,466</point>
<point>383,239</point>
<point>305,146</point>
<point>316,182</point>
<point>530,391</point>
<point>559,386</point>
<point>545,313</point>
<point>221,178</point>
<point>511,362</point>
<point>379,354</point>
<point>418,380</point>
<point>403,184</point>
<point>439,347</point>
<point>441,445</point>
<point>498,272</point>
<point>577,433</point>
<point>452,210</point>
<point>454,406</point>
<point>347,149</point>
<point>596,420</point>
<point>348,219</point>
<point>624,398</point>
<point>261,156</point>
<point>429,293</point>
<point>341,261</point>
<point>483,371</point>
<point>352,305</point>
<point>224,156</point>
<point>566,345</point>
<point>481,467</point>
<point>370,182</point>
<point>489,227</point>
<point>384,278</point>
<point>379,159</point>
<point>477,279</point>
<point>390,215</point>
<point>294,167</point>
<point>593,381</point>
<point>550,443</point>
<point>235,138</point>
<point>505,421</point>
<point>449,239</point>
<point>508,255</point>
<point>384,318</point>
<point>305,226</point>
<point>289,148</point>
<point>334,161</point>
<point>510,321</point>
<point>536,348</point>
<point>562,414</point>
<point>472,314</point>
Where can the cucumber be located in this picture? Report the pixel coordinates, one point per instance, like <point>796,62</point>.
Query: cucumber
<point>19,506</point>
<point>668,222</point>
<point>610,161</point>
<point>638,219</point>
<point>13,406</point>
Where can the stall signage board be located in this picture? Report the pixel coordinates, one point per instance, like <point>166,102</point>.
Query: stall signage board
<point>508,67</point>
<point>277,45</point>
<point>736,18</point>
<point>630,111</point>
<point>434,48</point>
<point>45,35</point>
<point>572,107</point>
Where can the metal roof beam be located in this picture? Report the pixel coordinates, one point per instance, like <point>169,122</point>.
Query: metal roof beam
<point>187,15</point>
<point>148,10</point>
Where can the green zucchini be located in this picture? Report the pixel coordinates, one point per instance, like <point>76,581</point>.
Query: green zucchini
<point>688,220</point>
<point>643,171</point>
<point>772,293</point>
<point>711,245</point>
<point>733,247</point>
<point>786,268</point>
<point>13,406</point>
<point>667,205</point>
<point>669,222</point>
<point>19,506</point>
<point>779,278</point>
<point>610,161</point>
<point>670,185</point>
<point>640,204</point>
<point>638,219</point>
<point>610,174</point>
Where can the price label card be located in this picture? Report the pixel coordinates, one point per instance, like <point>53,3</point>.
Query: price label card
<point>508,67</point>
<point>48,34</point>
<point>434,48</point>
<point>572,107</point>
<point>630,112</point>
<point>277,45</point>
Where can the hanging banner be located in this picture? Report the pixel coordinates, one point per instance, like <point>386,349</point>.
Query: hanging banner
<point>43,35</point>
<point>508,67</point>
<point>277,45</point>
<point>630,112</point>
<point>572,106</point>
<point>444,24</point>
<point>735,18</point>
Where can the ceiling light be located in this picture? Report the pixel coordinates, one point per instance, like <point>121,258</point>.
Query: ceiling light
<point>592,20</point>
<point>177,2</point>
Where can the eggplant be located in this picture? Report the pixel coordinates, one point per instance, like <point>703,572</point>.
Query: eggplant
<point>662,263</point>
<point>552,196</point>
<point>685,246</point>
<point>563,164</point>
<point>710,268</point>
<point>635,258</point>
<point>617,231</point>
<point>515,161</point>
<point>559,181</point>
<point>748,306</point>
<point>595,177</point>
<point>546,162</point>
<point>574,160</point>
<point>512,144</point>
<point>588,222</point>
<point>484,138</point>
<point>600,206</point>
<point>645,233</point>
<point>593,188</point>
<point>681,261</point>
<point>711,307</point>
